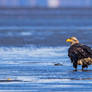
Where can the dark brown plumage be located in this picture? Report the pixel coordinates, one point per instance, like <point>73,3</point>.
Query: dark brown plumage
<point>79,54</point>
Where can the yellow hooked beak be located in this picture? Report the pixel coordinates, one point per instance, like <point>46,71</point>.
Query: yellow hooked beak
<point>68,40</point>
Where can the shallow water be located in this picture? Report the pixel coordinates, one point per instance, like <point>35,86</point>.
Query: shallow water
<point>34,69</point>
<point>33,51</point>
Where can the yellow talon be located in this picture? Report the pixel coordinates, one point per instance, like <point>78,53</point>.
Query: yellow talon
<point>9,79</point>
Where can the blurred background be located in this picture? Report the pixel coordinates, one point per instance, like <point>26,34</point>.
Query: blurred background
<point>41,22</point>
<point>46,3</point>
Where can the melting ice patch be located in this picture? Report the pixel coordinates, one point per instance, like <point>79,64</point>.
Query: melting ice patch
<point>49,52</point>
<point>33,54</point>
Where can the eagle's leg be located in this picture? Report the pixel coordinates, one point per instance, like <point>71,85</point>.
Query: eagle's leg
<point>75,66</point>
<point>84,66</point>
<point>75,69</point>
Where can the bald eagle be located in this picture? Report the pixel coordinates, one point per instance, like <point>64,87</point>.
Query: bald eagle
<point>79,54</point>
